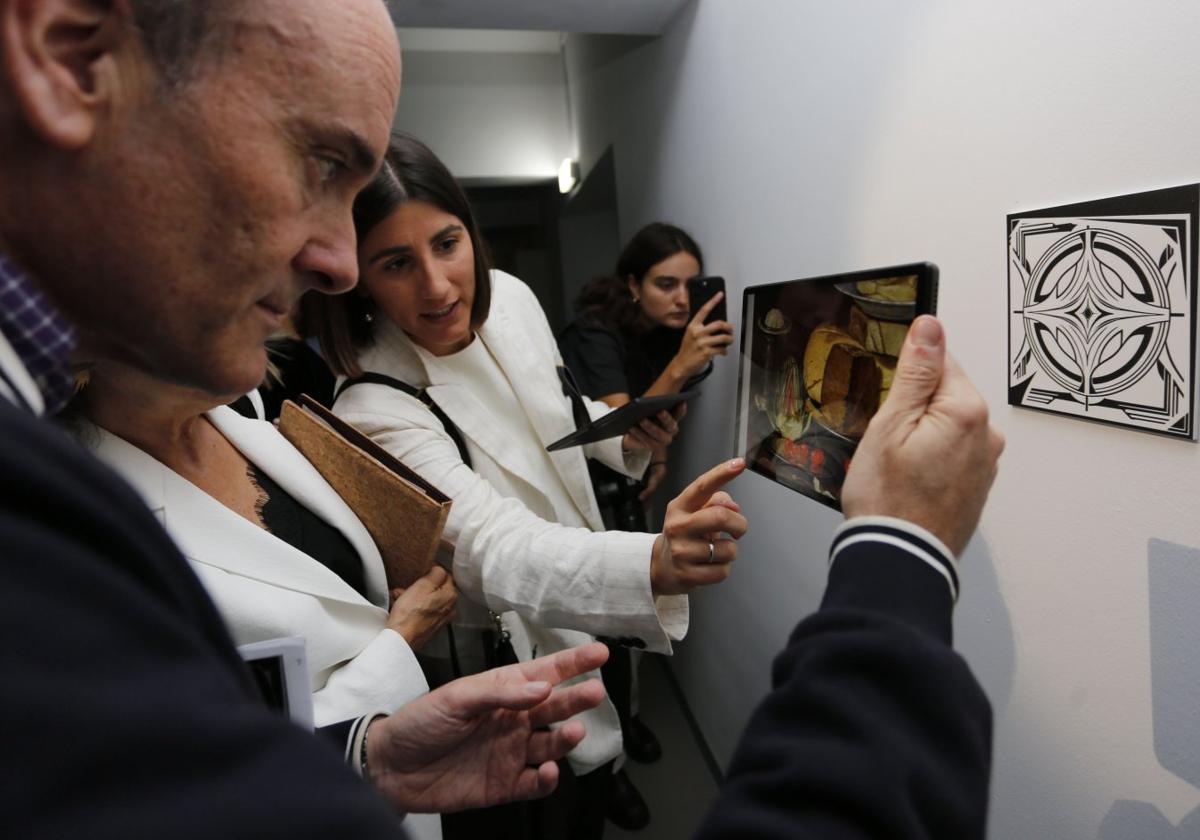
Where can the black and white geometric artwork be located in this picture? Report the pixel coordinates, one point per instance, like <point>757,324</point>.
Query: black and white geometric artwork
<point>1102,310</point>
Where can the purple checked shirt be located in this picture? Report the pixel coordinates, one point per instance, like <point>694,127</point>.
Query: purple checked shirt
<point>39,334</point>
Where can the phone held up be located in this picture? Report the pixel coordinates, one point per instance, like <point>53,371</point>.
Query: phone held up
<point>700,291</point>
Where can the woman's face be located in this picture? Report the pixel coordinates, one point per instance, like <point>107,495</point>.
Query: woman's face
<point>418,265</point>
<point>662,292</point>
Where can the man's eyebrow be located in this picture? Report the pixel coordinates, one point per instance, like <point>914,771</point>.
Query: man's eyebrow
<point>362,158</point>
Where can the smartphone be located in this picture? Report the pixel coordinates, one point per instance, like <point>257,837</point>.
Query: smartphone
<point>700,290</point>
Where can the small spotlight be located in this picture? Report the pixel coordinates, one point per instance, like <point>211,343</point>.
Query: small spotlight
<point>568,175</point>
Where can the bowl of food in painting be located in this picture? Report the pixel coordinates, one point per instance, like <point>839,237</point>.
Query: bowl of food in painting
<point>892,299</point>
<point>775,322</point>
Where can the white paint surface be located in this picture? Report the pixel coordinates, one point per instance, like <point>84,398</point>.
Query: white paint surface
<point>488,115</point>
<point>796,139</point>
<point>620,17</point>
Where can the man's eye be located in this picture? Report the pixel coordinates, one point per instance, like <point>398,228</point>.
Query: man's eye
<point>329,168</point>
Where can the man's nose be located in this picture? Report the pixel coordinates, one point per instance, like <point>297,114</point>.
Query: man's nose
<point>331,261</point>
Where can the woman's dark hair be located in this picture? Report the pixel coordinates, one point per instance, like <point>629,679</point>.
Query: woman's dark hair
<point>345,324</point>
<point>607,299</point>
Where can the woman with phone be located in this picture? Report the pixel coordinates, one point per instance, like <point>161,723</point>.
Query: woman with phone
<point>453,369</point>
<point>642,333</point>
<point>639,334</point>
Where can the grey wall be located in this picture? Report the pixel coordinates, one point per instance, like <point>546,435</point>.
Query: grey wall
<point>488,115</point>
<point>796,139</point>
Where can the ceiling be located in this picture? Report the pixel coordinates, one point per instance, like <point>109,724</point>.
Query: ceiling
<point>614,17</point>
<point>413,39</point>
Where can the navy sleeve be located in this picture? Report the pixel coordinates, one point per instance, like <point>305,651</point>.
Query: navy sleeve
<point>874,727</point>
<point>596,358</point>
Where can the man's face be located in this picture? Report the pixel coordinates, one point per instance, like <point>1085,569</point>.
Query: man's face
<point>218,203</point>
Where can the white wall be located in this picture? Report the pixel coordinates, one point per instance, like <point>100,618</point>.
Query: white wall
<point>800,138</point>
<point>489,115</point>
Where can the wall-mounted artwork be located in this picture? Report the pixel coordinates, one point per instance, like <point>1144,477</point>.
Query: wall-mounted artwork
<point>1102,310</point>
<point>818,358</point>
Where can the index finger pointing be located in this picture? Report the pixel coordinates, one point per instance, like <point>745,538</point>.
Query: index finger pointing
<point>697,494</point>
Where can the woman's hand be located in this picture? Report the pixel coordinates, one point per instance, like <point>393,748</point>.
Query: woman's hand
<point>690,551</point>
<point>701,341</point>
<point>655,474</point>
<point>424,608</point>
<point>655,432</point>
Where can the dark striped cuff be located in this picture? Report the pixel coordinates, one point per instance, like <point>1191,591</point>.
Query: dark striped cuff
<point>901,534</point>
<point>356,740</point>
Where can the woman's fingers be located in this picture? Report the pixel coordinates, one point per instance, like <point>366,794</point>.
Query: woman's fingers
<point>706,310</point>
<point>715,519</point>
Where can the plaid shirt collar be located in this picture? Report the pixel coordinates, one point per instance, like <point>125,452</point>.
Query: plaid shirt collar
<point>39,334</point>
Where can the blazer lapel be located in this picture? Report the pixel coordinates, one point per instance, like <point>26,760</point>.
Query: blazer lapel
<point>395,355</point>
<point>535,381</point>
<point>209,533</point>
<point>261,442</point>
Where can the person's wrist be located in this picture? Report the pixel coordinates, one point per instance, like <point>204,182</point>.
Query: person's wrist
<point>677,370</point>
<point>656,553</point>
<point>368,751</point>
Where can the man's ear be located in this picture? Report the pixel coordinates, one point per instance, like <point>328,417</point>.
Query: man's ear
<point>59,64</point>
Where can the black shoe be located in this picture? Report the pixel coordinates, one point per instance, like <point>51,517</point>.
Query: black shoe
<point>626,808</point>
<point>640,743</point>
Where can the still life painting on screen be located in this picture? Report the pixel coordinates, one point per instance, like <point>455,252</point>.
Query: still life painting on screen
<point>818,359</point>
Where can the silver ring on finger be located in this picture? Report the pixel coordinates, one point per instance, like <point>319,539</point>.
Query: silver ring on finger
<point>712,553</point>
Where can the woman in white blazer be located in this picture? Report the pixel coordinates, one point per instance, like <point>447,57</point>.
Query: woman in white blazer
<point>197,481</point>
<point>527,535</point>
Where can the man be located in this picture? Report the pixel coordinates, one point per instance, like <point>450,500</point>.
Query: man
<point>173,175</point>
<point>875,727</point>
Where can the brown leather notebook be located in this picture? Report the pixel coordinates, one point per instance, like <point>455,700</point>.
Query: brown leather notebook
<point>403,512</point>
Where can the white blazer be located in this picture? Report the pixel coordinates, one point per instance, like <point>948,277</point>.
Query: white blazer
<point>556,585</point>
<point>265,588</point>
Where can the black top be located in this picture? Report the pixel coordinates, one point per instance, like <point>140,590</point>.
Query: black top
<point>114,657</point>
<point>606,360</point>
<point>303,530</point>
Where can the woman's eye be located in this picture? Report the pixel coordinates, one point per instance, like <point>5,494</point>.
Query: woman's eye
<point>396,264</point>
<point>447,245</point>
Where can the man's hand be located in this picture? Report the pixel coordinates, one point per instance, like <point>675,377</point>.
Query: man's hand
<point>483,740</point>
<point>690,551</point>
<point>929,455</point>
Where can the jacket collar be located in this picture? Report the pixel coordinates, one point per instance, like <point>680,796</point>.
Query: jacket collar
<point>535,383</point>
<point>209,533</point>
<point>16,385</point>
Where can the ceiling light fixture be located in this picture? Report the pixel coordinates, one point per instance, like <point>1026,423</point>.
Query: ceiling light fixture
<point>568,175</point>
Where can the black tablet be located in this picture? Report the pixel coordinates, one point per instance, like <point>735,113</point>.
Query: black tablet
<point>620,420</point>
<point>818,358</point>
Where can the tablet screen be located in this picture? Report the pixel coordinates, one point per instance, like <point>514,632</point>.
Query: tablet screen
<point>818,358</point>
